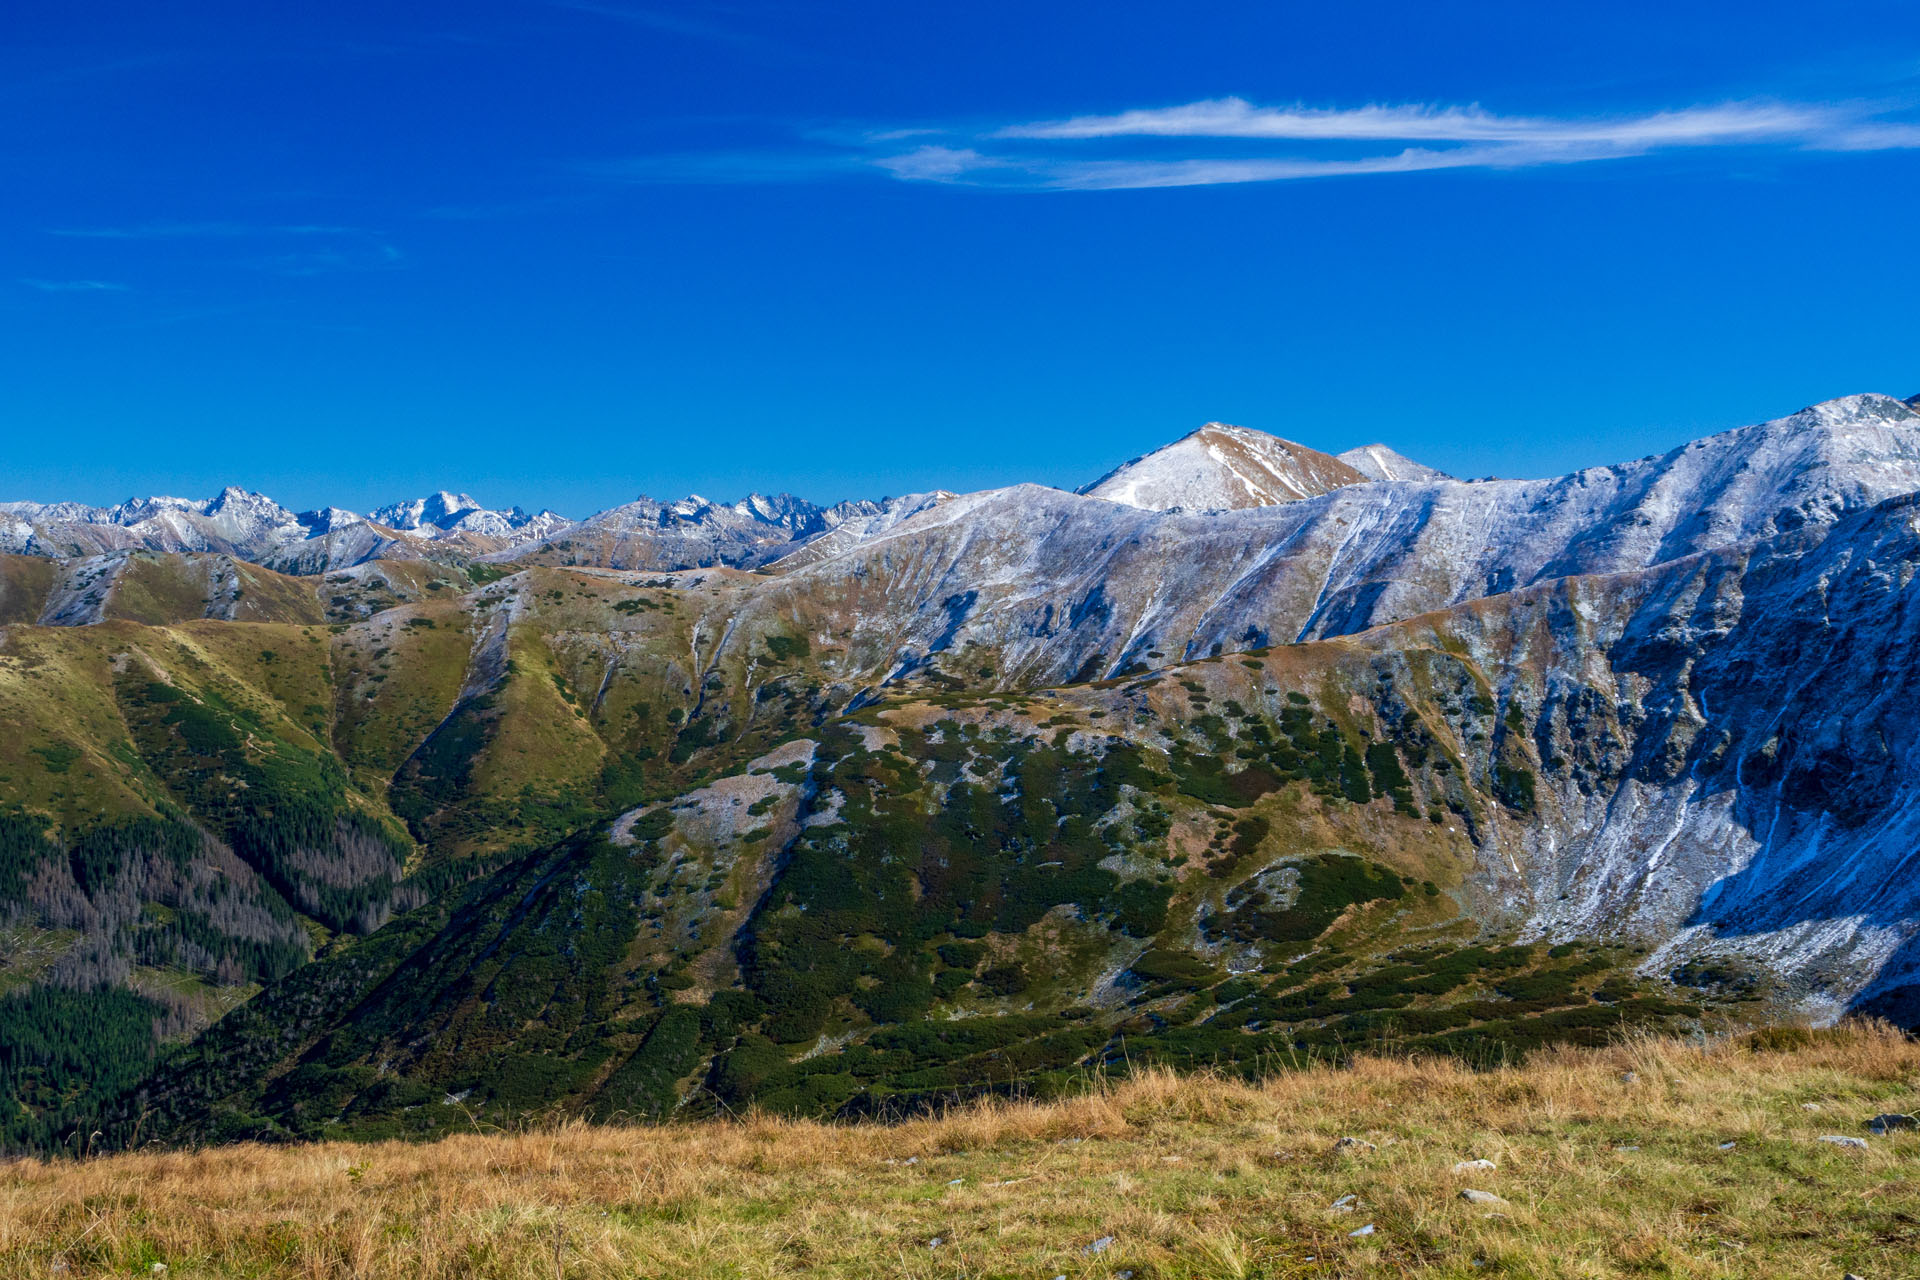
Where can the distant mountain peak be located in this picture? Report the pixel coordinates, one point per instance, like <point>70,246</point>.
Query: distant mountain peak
<point>1378,462</point>
<point>329,519</point>
<point>234,501</point>
<point>1224,467</point>
<point>440,509</point>
<point>1867,405</point>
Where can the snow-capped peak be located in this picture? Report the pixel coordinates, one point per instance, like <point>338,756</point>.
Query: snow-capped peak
<point>1378,462</point>
<point>329,519</point>
<point>1224,467</point>
<point>440,509</point>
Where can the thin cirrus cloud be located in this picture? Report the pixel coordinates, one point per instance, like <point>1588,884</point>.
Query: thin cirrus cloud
<point>1238,118</point>
<point>290,249</point>
<point>655,19</point>
<point>75,286</point>
<point>1164,146</point>
<point>1230,140</point>
<point>202,230</point>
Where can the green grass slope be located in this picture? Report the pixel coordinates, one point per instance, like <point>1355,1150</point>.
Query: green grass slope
<point>1234,865</point>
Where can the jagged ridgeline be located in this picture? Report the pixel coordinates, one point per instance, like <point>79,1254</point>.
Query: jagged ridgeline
<point>896,802</point>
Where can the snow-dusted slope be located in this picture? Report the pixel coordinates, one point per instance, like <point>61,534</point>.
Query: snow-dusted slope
<point>1377,462</point>
<point>1728,752</point>
<point>445,515</point>
<point>696,533</point>
<point>1066,584</point>
<point>851,523</point>
<point>1712,658</point>
<point>1222,468</point>
<point>252,526</point>
<point>227,522</point>
<point>1379,550</point>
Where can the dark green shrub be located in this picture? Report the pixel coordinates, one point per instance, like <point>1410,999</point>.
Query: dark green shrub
<point>1178,967</point>
<point>1004,979</point>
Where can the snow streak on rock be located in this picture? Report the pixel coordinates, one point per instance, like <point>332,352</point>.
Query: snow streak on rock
<point>1223,468</point>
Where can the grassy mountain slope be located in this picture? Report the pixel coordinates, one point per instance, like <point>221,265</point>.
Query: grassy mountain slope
<point>194,806</point>
<point>1229,864</point>
<point>1708,1163</point>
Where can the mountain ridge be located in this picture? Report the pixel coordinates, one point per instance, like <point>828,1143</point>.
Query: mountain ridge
<point>1254,470</point>
<point>838,781</point>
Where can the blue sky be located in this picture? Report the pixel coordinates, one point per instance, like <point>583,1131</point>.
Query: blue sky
<point>560,252</point>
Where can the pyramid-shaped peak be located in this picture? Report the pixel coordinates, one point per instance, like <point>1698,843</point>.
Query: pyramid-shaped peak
<point>1378,462</point>
<point>1222,466</point>
<point>234,500</point>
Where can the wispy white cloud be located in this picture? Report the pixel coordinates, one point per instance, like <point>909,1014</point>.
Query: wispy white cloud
<point>75,286</point>
<point>204,230</point>
<point>1230,140</point>
<point>938,164</point>
<point>1238,118</point>
<point>1873,136</point>
<point>1155,147</point>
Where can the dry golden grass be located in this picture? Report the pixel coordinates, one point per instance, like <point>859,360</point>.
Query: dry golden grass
<point>1191,1177</point>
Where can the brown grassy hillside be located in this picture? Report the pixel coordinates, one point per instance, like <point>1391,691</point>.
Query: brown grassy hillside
<point>1650,1158</point>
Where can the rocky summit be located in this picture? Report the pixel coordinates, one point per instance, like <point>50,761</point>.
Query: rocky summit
<point>327,824</point>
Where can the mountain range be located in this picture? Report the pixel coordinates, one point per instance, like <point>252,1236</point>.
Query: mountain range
<point>330,824</point>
